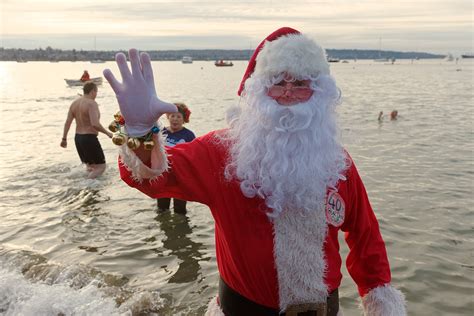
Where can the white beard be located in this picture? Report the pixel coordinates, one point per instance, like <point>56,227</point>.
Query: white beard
<point>287,155</point>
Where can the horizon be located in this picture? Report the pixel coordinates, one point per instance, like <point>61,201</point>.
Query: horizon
<point>205,49</point>
<point>432,26</point>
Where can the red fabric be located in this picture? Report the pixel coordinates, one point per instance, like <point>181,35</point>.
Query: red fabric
<point>244,235</point>
<point>367,260</point>
<point>253,60</point>
<point>85,77</point>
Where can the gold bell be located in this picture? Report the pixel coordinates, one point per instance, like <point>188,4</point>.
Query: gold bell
<point>117,116</point>
<point>113,127</point>
<point>149,144</point>
<point>119,139</point>
<point>133,143</point>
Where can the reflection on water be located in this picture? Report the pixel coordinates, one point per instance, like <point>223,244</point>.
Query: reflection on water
<point>178,239</point>
<point>418,172</point>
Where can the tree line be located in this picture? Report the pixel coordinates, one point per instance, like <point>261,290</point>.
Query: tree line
<point>52,54</point>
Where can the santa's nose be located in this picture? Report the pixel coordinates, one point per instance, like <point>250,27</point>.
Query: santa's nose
<point>288,86</point>
<point>288,92</point>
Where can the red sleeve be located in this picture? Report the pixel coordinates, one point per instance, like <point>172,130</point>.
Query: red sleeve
<point>191,175</point>
<point>367,261</point>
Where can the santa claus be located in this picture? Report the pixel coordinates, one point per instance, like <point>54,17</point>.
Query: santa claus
<point>278,182</point>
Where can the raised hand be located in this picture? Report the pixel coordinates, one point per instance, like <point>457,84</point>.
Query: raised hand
<point>136,95</point>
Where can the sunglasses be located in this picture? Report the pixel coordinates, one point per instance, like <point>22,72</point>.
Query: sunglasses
<point>297,92</point>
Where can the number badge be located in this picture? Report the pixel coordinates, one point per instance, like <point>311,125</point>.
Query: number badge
<point>335,209</point>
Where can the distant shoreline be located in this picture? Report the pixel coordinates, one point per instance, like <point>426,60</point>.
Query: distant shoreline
<point>51,54</point>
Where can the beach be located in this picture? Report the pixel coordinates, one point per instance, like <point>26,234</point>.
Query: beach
<point>73,246</point>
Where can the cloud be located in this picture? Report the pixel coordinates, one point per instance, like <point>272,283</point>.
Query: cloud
<point>217,23</point>
<point>114,42</point>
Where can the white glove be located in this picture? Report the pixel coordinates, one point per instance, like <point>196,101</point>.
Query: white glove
<point>136,95</point>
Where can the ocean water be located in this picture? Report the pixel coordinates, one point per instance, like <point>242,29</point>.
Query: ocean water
<point>71,246</point>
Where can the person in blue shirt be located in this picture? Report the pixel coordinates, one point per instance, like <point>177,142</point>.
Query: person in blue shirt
<point>176,134</point>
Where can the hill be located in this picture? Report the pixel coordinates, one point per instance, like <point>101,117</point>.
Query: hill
<point>51,54</point>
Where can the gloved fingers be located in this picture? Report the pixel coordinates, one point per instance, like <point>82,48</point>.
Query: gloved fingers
<point>109,76</point>
<point>123,67</point>
<point>147,70</point>
<point>135,62</point>
<point>164,107</point>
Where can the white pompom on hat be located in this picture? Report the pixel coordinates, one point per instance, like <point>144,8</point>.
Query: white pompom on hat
<point>286,51</point>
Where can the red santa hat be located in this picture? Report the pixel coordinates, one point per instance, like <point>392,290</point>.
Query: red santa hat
<point>286,50</point>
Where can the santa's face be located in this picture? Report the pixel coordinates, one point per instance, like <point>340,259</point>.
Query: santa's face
<point>290,91</point>
<point>285,145</point>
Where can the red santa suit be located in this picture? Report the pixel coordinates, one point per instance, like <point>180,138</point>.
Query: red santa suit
<point>246,238</point>
<point>292,258</point>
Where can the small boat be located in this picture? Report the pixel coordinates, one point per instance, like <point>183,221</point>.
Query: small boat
<point>333,60</point>
<point>449,57</point>
<point>78,82</point>
<point>187,60</point>
<point>221,63</point>
<point>381,59</point>
<point>96,60</point>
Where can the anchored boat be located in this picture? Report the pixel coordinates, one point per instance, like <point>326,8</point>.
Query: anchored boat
<point>78,82</point>
<point>221,63</point>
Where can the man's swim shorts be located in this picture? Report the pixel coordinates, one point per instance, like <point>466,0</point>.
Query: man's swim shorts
<point>89,149</point>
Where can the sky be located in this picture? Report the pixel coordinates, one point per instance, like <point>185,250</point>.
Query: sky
<point>434,26</point>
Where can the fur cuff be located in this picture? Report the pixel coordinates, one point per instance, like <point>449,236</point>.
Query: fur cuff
<point>384,300</point>
<point>213,309</point>
<point>159,161</point>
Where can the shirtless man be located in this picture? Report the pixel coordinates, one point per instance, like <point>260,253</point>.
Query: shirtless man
<point>86,113</point>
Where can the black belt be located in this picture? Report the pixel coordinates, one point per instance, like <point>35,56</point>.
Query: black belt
<point>234,304</point>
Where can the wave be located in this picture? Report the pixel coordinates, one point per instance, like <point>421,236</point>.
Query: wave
<point>32,285</point>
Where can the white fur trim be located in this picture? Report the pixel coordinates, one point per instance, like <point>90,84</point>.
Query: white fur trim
<point>213,309</point>
<point>384,300</point>
<point>295,54</point>
<point>159,161</point>
<point>299,256</point>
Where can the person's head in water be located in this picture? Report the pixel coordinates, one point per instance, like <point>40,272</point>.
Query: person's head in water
<point>90,89</point>
<point>178,119</point>
<point>380,116</point>
<point>394,115</point>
